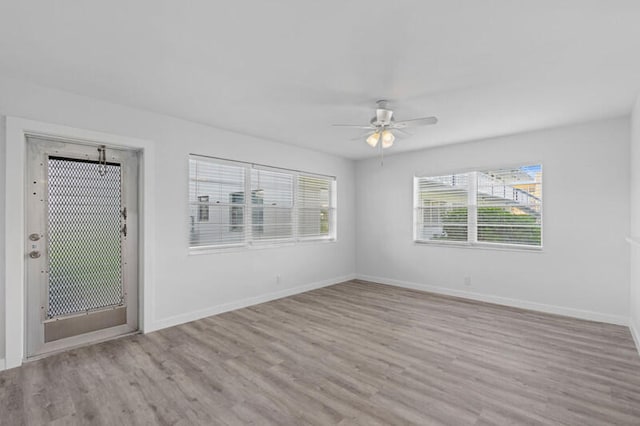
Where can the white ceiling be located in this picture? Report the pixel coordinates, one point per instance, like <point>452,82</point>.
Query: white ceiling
<point>286,70</point>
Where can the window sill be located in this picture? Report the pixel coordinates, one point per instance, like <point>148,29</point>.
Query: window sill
<point>196,251</point>
<point>481,246</point>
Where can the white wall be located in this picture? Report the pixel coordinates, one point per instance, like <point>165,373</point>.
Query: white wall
<point>2,248</point>
<point>186,286</point>
<point>578,273</point>
<point>635,223</point>
<point>583,269</point>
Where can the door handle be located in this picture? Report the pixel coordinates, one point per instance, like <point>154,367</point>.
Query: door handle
<point>34,254</point>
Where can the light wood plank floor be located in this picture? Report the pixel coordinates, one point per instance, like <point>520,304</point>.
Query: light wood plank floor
<point>353,353</point>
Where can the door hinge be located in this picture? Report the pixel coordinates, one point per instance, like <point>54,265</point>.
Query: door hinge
<point>124,230</point>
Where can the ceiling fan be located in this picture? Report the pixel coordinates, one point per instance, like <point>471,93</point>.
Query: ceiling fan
<point>383,125</point>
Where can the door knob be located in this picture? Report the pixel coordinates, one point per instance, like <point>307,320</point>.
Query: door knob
<point>34,254</point>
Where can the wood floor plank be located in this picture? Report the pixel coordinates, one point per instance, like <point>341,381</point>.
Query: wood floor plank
<point>355,353</point>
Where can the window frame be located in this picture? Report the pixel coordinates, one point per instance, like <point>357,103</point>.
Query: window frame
<point>249,242</point>
<point>472,215</point>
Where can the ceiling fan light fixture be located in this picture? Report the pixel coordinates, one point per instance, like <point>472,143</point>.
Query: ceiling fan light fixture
<point>373,139</point>
<point>382,125</point>
<point>387,139</point>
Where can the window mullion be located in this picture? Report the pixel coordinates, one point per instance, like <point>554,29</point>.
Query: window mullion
<point>248,207</point>
<point>472,209</point>
<point>417,222</point>
<point>333,210</point>
<point>294,212</point>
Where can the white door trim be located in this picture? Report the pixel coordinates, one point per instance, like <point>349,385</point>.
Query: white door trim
<point>15,231</point>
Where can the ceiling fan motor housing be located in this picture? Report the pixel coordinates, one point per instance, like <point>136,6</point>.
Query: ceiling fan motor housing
<point>383,117</point>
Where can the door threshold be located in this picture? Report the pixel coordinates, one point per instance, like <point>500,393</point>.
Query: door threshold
<point>78,346</point>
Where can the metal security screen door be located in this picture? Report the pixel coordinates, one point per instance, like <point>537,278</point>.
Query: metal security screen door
<point>82,273</point>
<point>84,220</point>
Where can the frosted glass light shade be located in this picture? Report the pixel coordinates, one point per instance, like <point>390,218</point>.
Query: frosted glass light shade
<point>387,139</point>
<point>373,139</point>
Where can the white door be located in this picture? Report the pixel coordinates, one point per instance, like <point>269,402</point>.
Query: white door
<point>82,260</point>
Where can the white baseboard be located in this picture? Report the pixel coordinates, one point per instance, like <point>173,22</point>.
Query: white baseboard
<point>231,306</point>
<point>635,333</point>
<point>499,300</point>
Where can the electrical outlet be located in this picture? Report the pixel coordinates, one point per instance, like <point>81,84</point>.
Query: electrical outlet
<point>278,279</point>
<point>467,281</point>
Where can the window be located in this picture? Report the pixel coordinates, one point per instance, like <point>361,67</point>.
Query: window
<point>216,203</point>
<point>498,206</point>
<point>442,206</point>
<point>271,204</point>
<point>285,205</point>
<point>313,206</point>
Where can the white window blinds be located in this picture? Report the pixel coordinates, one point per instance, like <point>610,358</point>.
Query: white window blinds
<point>510,206</point>
<point>314,206</point>
<point>442,208</point>
<point>271,204</point>
<point>284,206</point>
<point>216,203</point>
<point>498,206</point>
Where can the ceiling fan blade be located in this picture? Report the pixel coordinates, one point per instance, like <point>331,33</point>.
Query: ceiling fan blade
<point>354,126</point>
<point>403,133</point>
<point>362,137</point>
<point>425,121</point>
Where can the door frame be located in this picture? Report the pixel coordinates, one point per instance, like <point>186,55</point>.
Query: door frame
<point>16,130</point>
<point>39,151</point>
